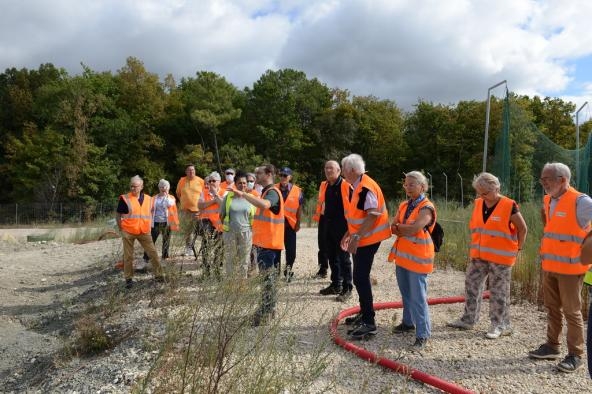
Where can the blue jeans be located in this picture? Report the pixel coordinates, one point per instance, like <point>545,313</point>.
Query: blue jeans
<point>414,291</point>
<point>267,261</point>
<point>363,259</point>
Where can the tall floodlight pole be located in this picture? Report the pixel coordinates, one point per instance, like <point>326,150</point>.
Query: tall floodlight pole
<point>446,183</point>
<point>462,197</point>
<point>487,122</point>
<point>578,143</point>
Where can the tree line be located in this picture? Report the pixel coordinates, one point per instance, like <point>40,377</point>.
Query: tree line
<point>80,138</point>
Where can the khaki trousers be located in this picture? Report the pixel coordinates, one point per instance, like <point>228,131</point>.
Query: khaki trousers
<point>128,253</point>
<point>563,297</point>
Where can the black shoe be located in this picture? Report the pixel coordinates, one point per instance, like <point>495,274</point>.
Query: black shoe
<point>331,290</point>
<point>570,363</point>
<point>261,319</point>
<point>353,320</point>
<point>129,283</point>
<point>544,352</point>
<point>345,295</point>
<point>159,279</point>
<point>403,328</point>
<point>363,331</point>
<point>288,274</point>
<point>419,345</point>
<point>322,274</point>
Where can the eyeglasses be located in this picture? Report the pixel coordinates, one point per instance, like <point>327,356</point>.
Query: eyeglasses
<point>230,173</point>
<point>410,185</point>
<point>549,178</point>
<point>135,186</point>
<point>212,181</point>
<point>283,175</point>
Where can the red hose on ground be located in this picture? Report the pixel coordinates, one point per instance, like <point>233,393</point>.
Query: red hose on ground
<point>388,363</point>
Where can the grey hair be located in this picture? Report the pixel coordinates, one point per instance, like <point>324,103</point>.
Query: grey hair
<point>214,175</point>
<point>487,181</point>
<point>419,177</point>
<point>560,170</point>
<point>355,163</point>
<point>251,174</point>
<point>164,183</point>
<point>136,178</point>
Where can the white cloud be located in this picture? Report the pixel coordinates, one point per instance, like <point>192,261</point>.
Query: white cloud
<point>441,51</point>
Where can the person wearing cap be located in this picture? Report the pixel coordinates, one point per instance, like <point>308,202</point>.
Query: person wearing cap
<point>211,225</point>
<point>293,203</point>
<point>268,230</point>
<point>133,217</point>
<point>189,189</point>
<point>228,182</point>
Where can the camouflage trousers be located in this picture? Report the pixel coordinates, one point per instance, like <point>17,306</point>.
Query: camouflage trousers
<point>499,285</point>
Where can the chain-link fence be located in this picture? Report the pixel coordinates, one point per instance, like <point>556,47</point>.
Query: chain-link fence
<point>44,213</point>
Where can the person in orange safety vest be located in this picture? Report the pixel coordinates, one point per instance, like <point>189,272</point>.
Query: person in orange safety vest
<point>293,203</point>
<point>211,225</point>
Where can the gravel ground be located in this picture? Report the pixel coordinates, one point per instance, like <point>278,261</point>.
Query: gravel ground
<point>44,285</point>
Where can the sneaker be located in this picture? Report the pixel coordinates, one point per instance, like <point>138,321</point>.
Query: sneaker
<point>129,283</point>
<point>345,295</point>
<point>188,251</point>
<point>322,274</point>
<point>353,320</point>
<point>496,332</point>
<point>403,328</point>
<point>545,352</point>
<point>330,290</point>
<point>460,324</point>
<point>288,274</point>
<point>570,363</point>
<point>419,344</point>
<point>363,330</point>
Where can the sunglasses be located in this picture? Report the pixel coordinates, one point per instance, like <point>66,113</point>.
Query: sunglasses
<point>283,175</point>
<point>212,181</point>
<point>230,173</point>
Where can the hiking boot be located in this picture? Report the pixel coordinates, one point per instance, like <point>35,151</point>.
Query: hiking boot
<point>129,283</point>
<point>345,295</point>
<point>403,328</point>
<point>363,331</point>
<point>330,290</point>
<point>460,324</point>
<point>419,344</point>
<point>545,352</point>
<point>353,320</point>
<point>496,332</point>
<point>322,274</point>
<point>570,363</point>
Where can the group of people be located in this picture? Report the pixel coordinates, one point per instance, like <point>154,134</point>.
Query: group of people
<point>353,221</point>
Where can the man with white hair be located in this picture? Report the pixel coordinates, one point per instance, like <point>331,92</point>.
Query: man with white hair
<point>134,220</point>
<point>367,226</point>
<point>566,214</point>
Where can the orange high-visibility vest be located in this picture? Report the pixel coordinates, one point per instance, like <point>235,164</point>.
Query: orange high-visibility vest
<point>138,220</point>
<point>188,193</point>
<point>172,217</point>
<point>320,208</point>
<point>291,204</point>
<point>563,236</point>
<point>496,240</point>
<point>268,228</point>
<point>224,185</point>
<point>212,212</point>
<point>355,217</point>
<point>414,252</point>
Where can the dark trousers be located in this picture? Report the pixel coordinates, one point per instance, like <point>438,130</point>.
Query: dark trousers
<point>322,258</point>
<point>165,230</point>
<point>211,250</point>
<point>589,335</point>
<point>267,262</point>
<point>363,259</point>
<point>289,245</point>
<point>339,260</point>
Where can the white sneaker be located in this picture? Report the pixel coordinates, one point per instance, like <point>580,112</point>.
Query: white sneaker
<point>188,251</point>
<point>496,332</point>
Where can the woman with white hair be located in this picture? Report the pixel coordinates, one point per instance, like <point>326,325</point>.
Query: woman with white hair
<point>498,232</point>
<point>413,253</point>
<point>164,217</point>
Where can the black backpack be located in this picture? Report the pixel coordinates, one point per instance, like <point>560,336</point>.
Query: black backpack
<point>437,235</point>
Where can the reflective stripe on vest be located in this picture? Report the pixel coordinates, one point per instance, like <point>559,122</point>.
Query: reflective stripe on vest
<point>496,240</point>
<point>172,215</point>
<point>212,212</point>
<point>320,202</point>
<point>138,220</point>
<point>291,204</point>
<point>414,252</point>
<point>268,228</point>
<point>380,229</point>
<point>562,236</point>
<point>226,223</point>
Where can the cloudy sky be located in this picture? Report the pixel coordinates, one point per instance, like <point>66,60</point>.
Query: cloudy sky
<point>437,50</point>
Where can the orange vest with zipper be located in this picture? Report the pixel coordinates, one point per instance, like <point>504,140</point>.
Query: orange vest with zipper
<point>268,228</point>
<point>414,252</point>
<point>563,236</point>
<point>291,204</point>
<point>212,212</point>
<point>138,220</point>
<point>355,217</point>
<point>496,240</point>
<point>320,202</point>
<point>173,216</point>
